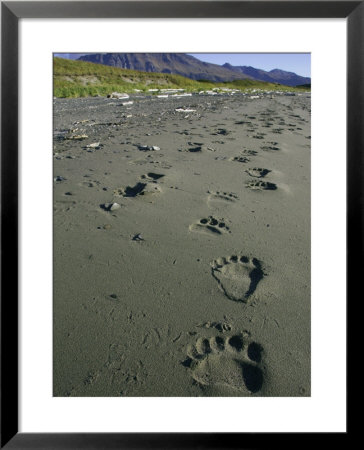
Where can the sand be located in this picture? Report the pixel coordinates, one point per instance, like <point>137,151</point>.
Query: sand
<point>182,246</point>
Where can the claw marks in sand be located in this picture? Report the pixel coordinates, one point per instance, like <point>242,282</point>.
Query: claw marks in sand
<point>231,361</point>
<point>237,276</point>
<point>220,198</point>
<point>210,225</point>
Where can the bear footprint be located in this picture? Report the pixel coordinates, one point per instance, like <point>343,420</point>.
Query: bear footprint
<point>268,148</point>
<point>250,152</point>
<point>242,159</point>
<point>210,225</point>
<point>152,177</point>
<point>238,276</point>
<point>226,361</point>
<point>261,186</point>
<point>258,172</point>
<point>138,190</point>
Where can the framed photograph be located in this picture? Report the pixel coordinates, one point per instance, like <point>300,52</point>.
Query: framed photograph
<point>178,215</point>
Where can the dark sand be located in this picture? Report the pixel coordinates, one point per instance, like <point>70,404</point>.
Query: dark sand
<point>199,283</point>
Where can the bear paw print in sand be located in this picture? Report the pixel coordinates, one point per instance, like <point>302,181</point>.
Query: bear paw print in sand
<point>237,276</point>
<point>258,172</point>
<point>232,362</point>
<point>210,225</point>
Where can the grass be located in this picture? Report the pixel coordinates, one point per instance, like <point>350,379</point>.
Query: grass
<point>83,79</point>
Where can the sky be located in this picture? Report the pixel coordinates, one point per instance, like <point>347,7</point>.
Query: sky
<point>299,63</point>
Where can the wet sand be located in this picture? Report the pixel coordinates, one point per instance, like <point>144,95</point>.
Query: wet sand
<point>182,246</point>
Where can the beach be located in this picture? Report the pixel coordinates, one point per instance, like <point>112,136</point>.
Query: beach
<point>181,252</point>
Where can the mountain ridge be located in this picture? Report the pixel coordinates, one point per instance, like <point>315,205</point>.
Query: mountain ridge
<point>272,76</point>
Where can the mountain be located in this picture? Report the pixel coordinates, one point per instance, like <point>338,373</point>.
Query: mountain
<point>273,76</point>
<point>173,63</point>
<point>191,67</point>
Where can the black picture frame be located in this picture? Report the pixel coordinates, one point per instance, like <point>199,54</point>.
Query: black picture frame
<point>11,12</point>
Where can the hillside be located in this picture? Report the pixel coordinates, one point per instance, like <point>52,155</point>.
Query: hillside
<point>84,79</point>
<point>173,63</point>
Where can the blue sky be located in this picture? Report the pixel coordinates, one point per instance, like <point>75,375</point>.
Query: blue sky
<point>299,63</point>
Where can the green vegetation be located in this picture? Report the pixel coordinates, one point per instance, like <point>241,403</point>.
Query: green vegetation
<point>83,79</point>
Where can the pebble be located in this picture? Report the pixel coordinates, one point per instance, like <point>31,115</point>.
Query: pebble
<point>94,145</point>
<point>185,110</point>
<point>78,137</point>
<point>59,178</point>
<point>111,206</point>
<point>147,148</point>
<point>114,207</point>
<point>118,95</point>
